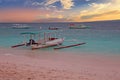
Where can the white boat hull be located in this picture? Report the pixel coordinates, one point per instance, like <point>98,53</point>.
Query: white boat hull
<point>48,44</point>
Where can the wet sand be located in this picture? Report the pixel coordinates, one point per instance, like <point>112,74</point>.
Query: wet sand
<point>55,65</point>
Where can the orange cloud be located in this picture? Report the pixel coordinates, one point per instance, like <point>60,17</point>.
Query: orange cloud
<point>101,14</point>
<point>20,15</point>
<point>96,12</point>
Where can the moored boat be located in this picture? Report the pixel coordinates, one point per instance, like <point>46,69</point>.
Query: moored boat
<point>46,41</point>
<point>53,28</point>
<point>81,26</point>
<point>20,26</point>
<point>49,43</point>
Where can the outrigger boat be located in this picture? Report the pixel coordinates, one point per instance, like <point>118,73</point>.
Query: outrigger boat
<point>53,28</point>
<point>20,26</point>
<point>81,26</point>
<point>47,41</point>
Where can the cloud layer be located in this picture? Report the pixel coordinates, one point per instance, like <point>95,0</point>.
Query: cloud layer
<point>58,10</point>
<point>100,11</point>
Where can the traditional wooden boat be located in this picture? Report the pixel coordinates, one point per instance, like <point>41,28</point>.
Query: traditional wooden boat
<point>47,41</point>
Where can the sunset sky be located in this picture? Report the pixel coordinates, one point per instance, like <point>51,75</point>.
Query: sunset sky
<point>59,10</point>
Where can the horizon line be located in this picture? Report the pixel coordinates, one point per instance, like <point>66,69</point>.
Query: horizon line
<point>60,22</point>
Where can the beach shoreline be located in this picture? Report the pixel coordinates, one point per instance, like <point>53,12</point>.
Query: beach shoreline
<point>54,65</point>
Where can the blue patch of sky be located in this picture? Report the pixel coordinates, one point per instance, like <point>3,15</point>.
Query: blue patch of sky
<point>79,2</point>
<point>84,3</point>
<point>80,5</point>
<point>18,3</point>
<point>57,4</point>
<point>11,3</point>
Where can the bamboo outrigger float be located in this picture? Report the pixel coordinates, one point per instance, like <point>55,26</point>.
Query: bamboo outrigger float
<point>18,45</point>
<point>73,45</point>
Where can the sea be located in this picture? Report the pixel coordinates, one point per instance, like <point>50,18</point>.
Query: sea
<point>102,37</point>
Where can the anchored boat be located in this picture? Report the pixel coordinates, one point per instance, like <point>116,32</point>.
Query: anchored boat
<point>20,26</point>
<point>44,41</point>
<point>81,26</point>
<point>53,28</point>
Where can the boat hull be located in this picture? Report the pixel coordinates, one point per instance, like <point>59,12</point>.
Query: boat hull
<point>48,44</point>
<point>20,27</point>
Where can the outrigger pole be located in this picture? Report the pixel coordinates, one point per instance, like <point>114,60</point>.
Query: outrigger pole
<point>69,46</point>
<point>18,45</point>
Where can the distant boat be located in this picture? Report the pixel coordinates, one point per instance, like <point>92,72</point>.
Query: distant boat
<point>53,28</point>
<point>40,27</point>
<point>81,26</point>
<point>20,26</point>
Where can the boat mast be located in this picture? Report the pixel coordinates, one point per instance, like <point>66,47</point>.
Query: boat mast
<point>24,41</point>
<point>44,37</point>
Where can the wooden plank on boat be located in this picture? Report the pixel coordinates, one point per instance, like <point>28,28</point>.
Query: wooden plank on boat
<point>69,46</point>
<point>17,45</point>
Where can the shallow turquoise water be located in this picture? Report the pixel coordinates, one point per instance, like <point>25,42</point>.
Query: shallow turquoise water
<point>99,39</point>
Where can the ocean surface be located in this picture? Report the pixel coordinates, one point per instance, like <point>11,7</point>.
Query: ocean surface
<point>103,37</point>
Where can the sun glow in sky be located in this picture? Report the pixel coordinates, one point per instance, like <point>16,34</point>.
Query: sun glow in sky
<point>59,10</point>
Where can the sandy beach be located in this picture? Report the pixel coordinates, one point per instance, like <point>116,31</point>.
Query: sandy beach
<point>55,65</point>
